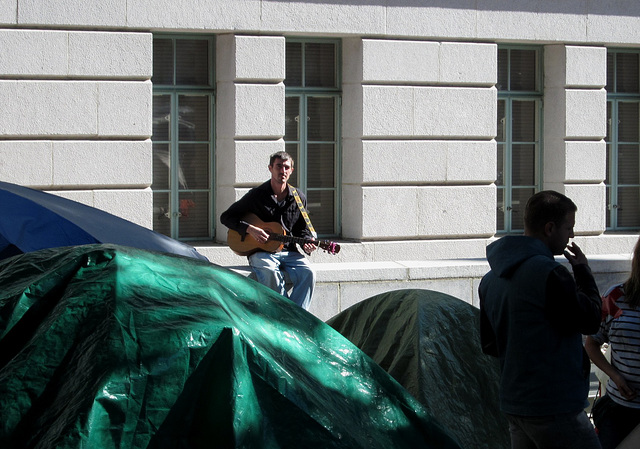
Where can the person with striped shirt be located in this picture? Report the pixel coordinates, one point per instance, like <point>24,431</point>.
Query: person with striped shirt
<point>617,413</point>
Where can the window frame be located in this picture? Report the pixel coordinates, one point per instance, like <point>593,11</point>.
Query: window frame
<point>614,99</point>
<point>175,91</point>
<point>509,97</point>
<point>303,94</point>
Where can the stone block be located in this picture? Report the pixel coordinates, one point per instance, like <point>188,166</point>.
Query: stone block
<point>455,112</point>
<point>400,62</point>
<point>27,53</point>
<point>38,172</point>
<point>102,163</point>
<point>555,67</point>
<point>353,111</point>
<point>250,163</point>
<point>555,114</point>
<point>80,196</point>
<point>428,161</point>
<point>354,17</point>
<point>586,66</point>
<point>431,249</point>
<point>352,160</point>
<point>401,203</point>
<point>468,63</point>
<point>259,111</point>
<point>404,161</point>
<point>456,211</point>
<point>471,161</point>
<point>124,109</point>
<point>391,111</point>
<point>110,55</point>
<point>352,293</point>
<point>199,15</point>
<point>108,13</point>
<point>614,22</point>
<point>445,269</point>
<point>250,58</point>
<point>325,303</point>
<point>572,66</point>
<point>48,108</point>
<point>586,114</point>
<point>75,108</point>
<point>352,216</point>
<point>8,12</point>
<point>532,21</point>
<point>133,205</point>
<point>224,198</point>
<point>387,111</point>
<point>453,18</point>
<point>591,201</point>
<point>458,288</point>
<point>586,162</point>
<point>225,58</point>
<point>225,112</point>
<point>260,58</point>
<point>475,298</point>
<point>352,61</point>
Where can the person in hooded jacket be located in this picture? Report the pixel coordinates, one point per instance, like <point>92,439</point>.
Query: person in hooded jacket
<point>533,314</point>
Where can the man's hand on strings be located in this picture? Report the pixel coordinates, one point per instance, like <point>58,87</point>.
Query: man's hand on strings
<point>257,233</point>
<point>309,248</point>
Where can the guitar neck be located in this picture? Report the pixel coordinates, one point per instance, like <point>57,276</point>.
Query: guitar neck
<point>330,247</point>
<point>290,238</point>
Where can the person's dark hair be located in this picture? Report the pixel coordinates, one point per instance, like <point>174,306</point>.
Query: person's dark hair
<point>632,284</point>
<point>280,155</point>
<point>544,207</point>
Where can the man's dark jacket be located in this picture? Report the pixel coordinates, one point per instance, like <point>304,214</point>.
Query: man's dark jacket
<point>533,315</point>
<point>260,201</point>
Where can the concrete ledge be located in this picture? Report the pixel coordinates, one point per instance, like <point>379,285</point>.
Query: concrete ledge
<point>343,284</point>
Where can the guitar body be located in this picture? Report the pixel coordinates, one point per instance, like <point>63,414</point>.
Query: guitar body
<point>277,239</point>
<point>250,245</point>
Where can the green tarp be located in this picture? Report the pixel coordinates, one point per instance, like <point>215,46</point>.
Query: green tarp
<point>429,342</point>
<point>111,347</point>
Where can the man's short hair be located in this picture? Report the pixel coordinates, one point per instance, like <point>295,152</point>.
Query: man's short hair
<point>544,207</point>
<point>280,155</point>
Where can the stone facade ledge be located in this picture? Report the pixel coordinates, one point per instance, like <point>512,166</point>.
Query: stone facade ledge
<point>413,270</point>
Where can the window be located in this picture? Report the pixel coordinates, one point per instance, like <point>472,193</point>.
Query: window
<point>312,113</point>
<point>623,140</point>
<point>519,133</point>
<point>182,136</point>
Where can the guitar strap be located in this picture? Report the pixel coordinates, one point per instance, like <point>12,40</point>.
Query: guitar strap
<point>303,211</point>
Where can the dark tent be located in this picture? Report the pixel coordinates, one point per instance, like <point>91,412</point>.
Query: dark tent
<point>104,346</point>
<point>429,342</point>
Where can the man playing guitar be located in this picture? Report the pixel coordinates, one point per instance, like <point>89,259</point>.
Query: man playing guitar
<point>274,201</point>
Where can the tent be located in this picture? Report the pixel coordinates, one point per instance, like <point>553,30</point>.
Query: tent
<point>103,346</point>
<point>31,220</point>
<point>430,343</point>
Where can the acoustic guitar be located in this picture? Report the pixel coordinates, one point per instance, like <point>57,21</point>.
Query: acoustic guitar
<point>247,245</point>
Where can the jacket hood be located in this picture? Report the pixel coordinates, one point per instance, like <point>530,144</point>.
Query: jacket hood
<point>506,254</point>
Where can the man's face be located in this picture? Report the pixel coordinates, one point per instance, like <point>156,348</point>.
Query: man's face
<point>280,171</point>
<point>558,237</point>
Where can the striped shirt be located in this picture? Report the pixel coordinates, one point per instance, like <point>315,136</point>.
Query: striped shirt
<point>621,329</point>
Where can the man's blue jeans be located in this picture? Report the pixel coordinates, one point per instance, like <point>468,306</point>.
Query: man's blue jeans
<point>566,431</point>
<point>269,268</point>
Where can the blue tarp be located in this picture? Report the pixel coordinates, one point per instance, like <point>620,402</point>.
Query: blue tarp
<point>31,220</point>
